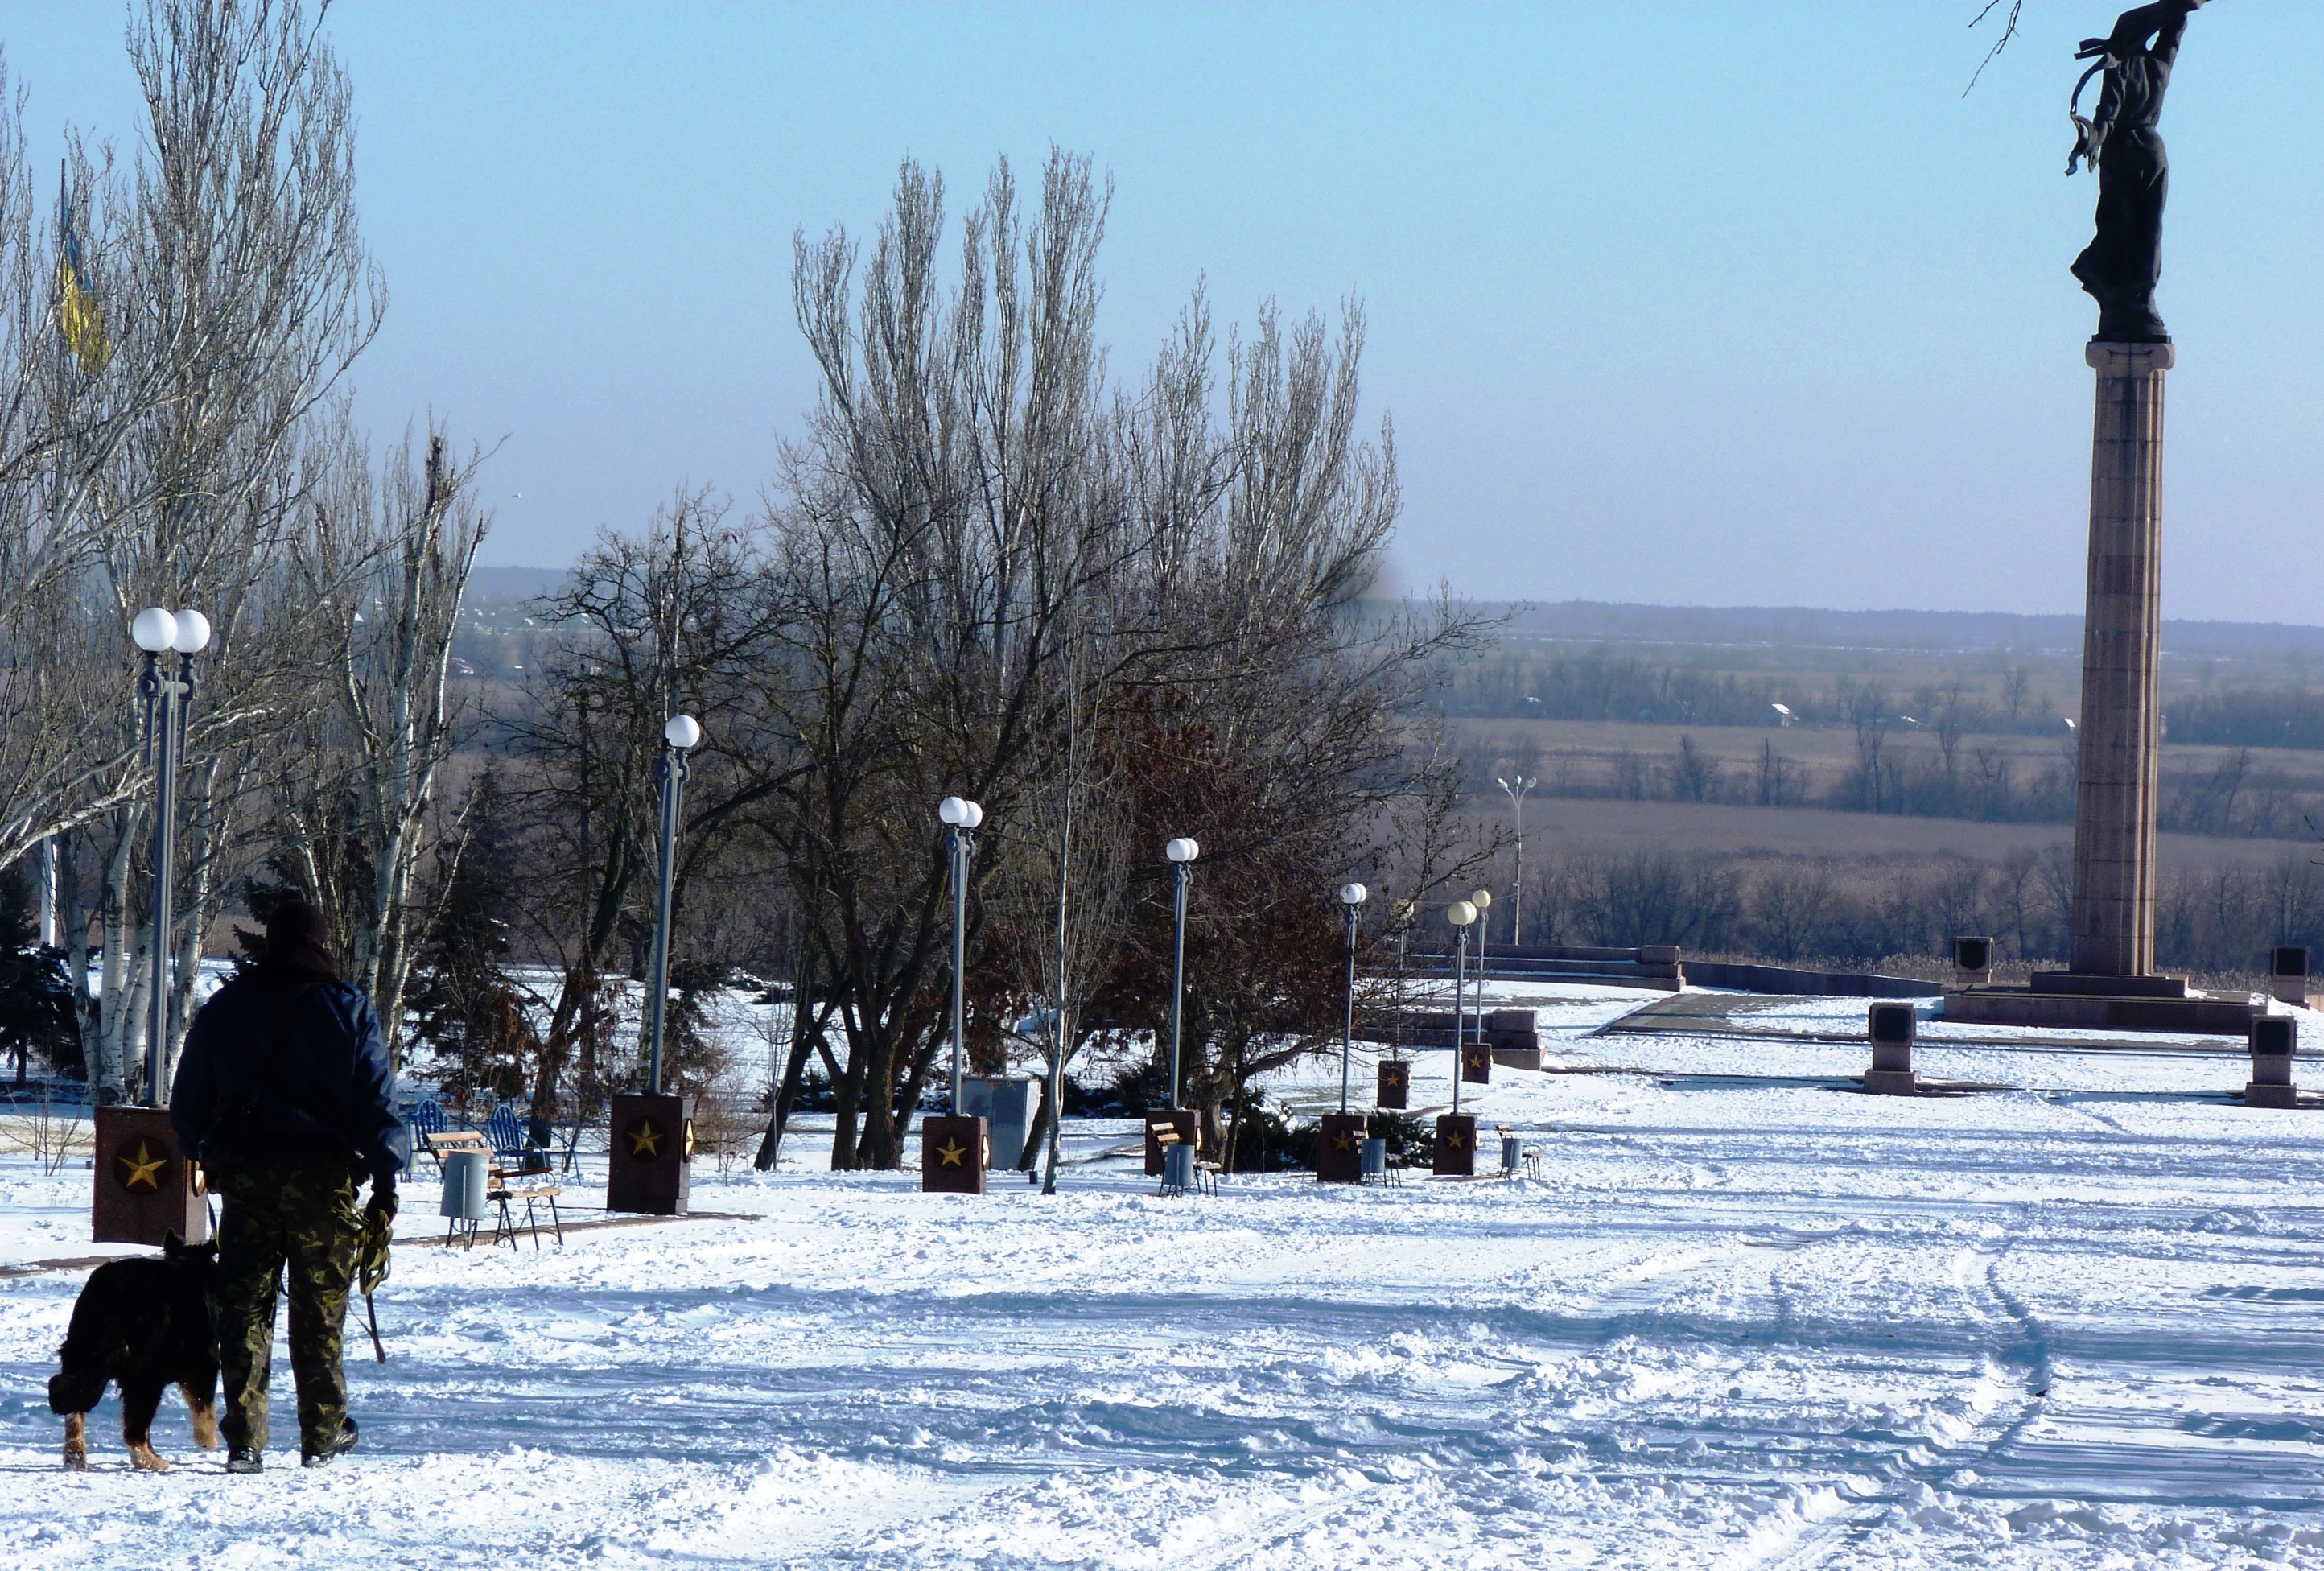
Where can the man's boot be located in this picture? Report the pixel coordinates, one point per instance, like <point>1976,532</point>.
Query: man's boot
<point>340,1446</point>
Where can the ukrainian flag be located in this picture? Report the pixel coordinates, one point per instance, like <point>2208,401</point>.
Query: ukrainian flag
<point>79,316</point>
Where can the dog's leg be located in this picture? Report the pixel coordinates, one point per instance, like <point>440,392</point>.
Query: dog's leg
<point>77,1441</point>
<point>205,1411</point>
<point>138,1404</point>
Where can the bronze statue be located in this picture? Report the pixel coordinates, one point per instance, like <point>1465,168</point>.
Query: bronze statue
<point>2119,267</point>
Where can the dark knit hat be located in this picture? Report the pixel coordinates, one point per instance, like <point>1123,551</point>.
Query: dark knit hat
<point>298,938</point>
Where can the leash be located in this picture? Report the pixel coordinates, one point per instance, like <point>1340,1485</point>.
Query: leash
<point>370,1313</point>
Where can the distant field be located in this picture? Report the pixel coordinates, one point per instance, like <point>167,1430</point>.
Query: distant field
<point>2265,793</point>
<point>1556,826</point>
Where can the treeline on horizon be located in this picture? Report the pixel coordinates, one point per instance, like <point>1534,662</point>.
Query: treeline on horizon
<point>1855,914</point>
<point>1609,685</point>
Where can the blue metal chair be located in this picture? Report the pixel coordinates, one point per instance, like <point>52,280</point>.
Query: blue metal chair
<point>512,1142</point>
<point>428,1118</point>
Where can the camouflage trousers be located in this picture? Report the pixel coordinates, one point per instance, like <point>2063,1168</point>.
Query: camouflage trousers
<point>299,1213</point>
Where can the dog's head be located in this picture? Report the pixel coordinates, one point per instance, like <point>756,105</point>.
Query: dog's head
<point>195,1257</point>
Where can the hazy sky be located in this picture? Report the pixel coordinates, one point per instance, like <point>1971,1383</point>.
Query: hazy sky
<point>1721,303</point>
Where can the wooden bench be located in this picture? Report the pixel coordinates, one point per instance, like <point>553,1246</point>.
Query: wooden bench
<point>1528,1156</point>
<point>498,1192</point>
<point>1207,1174</point>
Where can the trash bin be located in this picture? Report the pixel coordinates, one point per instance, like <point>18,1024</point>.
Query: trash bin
<point>466,1178</point>
<point>1177,1167</point>
<point>1375,1159</point>
<point>1007,1106</point>
<point>1511,1153</point>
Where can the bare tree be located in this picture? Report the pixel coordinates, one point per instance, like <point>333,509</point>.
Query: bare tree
<point>386,561</point>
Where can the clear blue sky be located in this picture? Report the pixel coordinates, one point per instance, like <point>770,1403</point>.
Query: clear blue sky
<point>1717,303</point>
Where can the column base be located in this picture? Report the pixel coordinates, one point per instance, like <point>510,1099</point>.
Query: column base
<point>2195,1014</point>
<point>2096,984</point>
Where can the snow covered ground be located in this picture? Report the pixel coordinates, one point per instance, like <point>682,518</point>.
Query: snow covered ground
<point>1747,1318</point>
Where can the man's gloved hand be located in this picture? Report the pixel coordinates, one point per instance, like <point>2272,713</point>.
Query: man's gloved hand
<point>378,1233</point>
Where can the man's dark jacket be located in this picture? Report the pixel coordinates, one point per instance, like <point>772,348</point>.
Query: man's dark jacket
<point>283,1062</point>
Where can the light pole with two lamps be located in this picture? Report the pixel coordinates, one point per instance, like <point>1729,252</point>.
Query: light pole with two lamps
<point>1482,899</point>
<point>679,735</point>
<point>1351,896</point>
<point>651,1165</point>
<point>1181,851</point>
<point>956,1145</point>
<point>167,700</point>
<point>961,817</point>
<point>1517,786</point>
<point>1456,1133</point>
<point>1395,1088</point>
<point>1339,1154</point>
<point>147,1188</point>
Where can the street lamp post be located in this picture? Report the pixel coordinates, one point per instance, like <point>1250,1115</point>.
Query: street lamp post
<point>961,817</point>
<point>1405,912</point>
<point>148,1190</point>
<point>1517,786</point>
<point>1481,899</point>
<point>679,734</point>
<point>1351,896</point>
<point>1460,915</point>
<point>167,699</point>
<point>1182,853</point>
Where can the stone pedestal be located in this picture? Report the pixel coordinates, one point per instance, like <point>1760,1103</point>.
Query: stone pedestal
<point>1456,1146</point>
<point>1890,1028</point>
<point>1339,1149</point>
<point>2120,730</point>
<point>1395,1083</point>
<point>2287,979</point>
<point>1973,962</point>
<point>145,1188</point>
<point>649,1170</point>
<point>2275,1039</point>
<point>951,1155</point>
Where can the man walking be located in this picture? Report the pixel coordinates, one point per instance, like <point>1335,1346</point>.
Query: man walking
<point>283,1093</point>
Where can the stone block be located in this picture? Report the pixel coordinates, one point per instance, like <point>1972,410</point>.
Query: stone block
<point>146,1188</point>
<point>1395,1083</point>
<point>2287,980</point>
<point>952,1156</point>
<point>1339,1149</point>
<point>1456,1146</point>
<point>651,1169</point>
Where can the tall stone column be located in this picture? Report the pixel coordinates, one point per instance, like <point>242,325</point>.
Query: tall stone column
<point>2121,723</point>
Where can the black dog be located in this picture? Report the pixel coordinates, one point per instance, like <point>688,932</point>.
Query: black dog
<point>144,1324</point>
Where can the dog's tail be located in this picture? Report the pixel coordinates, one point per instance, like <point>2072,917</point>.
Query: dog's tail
<point>75,1391</point>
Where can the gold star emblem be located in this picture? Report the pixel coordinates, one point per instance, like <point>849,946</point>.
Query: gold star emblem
<point>689,1140</point>
<point>949,1156</point>
<point>1346,1141</point>
<point>143,1170</point>
<point>1453,1139</point>
<point>645,1139</point>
